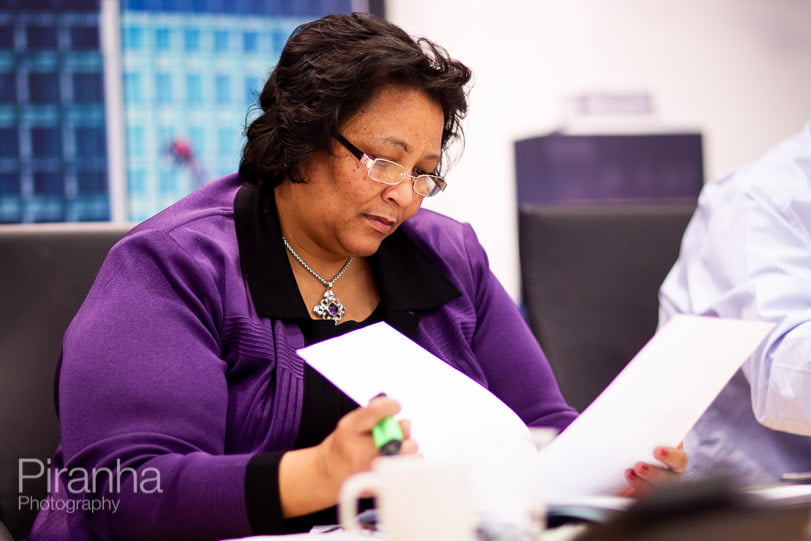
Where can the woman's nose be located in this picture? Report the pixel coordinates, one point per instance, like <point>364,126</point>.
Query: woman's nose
<point>402,193</point>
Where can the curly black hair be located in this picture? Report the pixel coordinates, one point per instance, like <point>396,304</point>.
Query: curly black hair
<point>328,70</point>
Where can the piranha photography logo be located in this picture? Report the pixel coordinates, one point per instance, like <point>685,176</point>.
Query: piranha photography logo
<point>78,489</point>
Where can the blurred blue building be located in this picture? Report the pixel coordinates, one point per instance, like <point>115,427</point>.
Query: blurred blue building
<point>192,69</point>
<point>190,72</point>
<point>53,156</point>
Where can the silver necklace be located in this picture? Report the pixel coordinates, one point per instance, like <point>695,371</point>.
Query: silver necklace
<point>330,307</point>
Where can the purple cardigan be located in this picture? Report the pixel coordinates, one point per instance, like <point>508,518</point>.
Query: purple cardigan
<point>167,369</point>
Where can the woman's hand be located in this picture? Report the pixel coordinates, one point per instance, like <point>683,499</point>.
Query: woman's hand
<point>310,479</point>
<point>643,478</point>
<point>350,448</point>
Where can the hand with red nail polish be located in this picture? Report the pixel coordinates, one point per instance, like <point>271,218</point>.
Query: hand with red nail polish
<point>643,477</point>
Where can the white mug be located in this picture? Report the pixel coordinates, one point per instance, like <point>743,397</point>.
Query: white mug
<point>416,499</point>
<point>507,482</point>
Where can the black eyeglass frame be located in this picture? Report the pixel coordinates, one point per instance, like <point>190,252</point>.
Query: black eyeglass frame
<point>369,161</point>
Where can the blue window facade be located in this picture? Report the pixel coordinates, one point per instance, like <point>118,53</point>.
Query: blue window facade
<point>6,37</point>
<point>135,141</point>
<point>42,37</point>
<point>191,70</point>
<point>52,113</point>
<point>133,38</point>
<point>250,42</point>
<point>226,142</point>
<point>8,87</point>
<point>203,86</point>
<point>163,88</point>
<point>43,87</point>
<point>133,91</point>
<point>10,148</point>
<point>46,142</point>
<point>88,88</point>
<point>191,40</point>
<point>48,199</point>
<point>49,183</point>
<point>194,89</point>
<point>9,185</point>
<point>222,84</point>
<point>84,38</point>
<point>221,41</point>
<point>162,39</point>
<point>90,141</point>
<point>91,182</point>
<point>253,86</point>
<point>197,139</point>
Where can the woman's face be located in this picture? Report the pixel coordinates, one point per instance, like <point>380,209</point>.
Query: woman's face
<point>339,210</point>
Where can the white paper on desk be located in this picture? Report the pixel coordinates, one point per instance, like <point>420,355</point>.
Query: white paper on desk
<point>654,401</point>
<point>443,404</point>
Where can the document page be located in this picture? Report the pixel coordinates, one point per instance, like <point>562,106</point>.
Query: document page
<point>445,406</point>
<point>654,401</point>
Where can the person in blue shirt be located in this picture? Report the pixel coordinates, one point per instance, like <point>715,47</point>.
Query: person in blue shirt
<point>746,254</point>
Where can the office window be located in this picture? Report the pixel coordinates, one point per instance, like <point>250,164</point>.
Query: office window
<point>220,41</point>
<point>194,89</point>
<point>10,208</point>
<point>132,87</point>
<point>46,142</point>
<point>163,88</point>
<point>135,141</point>
<point>226,140</point>
<point>42,37</point>
<point>8,88</point>
<point>250,42</point>
<point>253,86</point>
<point>10,146</point>
<point>91,182</point>
<point>197,140</point>
<point>43,88</point>
<point>6,37</point>
<point>9,184</point>
<point>88,88</point>
<point>136,182</point>
<point>162,39</point>
<point>133,38</point>
<point>278,38</point>
<point>166,135</point>
<point>49,183</point>
<point>90,141</point>
<point>222,88</point>
<point>83,38</point>
<point>166,181</point>
<point>191,39</point>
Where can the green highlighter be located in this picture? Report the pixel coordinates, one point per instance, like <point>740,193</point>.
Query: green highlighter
<point>387,434</point>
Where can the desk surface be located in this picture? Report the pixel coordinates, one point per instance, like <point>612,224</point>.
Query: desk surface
<point>784,495</point>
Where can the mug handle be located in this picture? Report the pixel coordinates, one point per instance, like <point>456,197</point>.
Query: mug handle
<point>351,492</point>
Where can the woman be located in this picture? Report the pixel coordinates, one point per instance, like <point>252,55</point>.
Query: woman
<point>181,370</point>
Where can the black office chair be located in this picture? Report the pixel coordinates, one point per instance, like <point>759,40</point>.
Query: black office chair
<point>45,272</point>
<point>590,279</point>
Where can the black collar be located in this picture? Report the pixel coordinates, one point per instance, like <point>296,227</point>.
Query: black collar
<point>409,283</point>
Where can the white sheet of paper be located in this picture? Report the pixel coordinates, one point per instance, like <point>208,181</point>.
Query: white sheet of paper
<point>443,404</point>
<point>654,401</point>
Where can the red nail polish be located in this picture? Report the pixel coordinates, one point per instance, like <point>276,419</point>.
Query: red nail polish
<point>662,454</point>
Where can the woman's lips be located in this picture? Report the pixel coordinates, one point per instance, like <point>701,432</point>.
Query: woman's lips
<point>384,225</point>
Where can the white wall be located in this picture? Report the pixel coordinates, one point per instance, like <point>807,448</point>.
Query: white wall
<point>738,70</point>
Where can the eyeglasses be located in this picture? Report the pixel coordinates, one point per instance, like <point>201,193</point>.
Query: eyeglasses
<point>392,173</point>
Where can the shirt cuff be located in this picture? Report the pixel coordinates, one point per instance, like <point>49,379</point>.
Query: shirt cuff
<point>262,499</point>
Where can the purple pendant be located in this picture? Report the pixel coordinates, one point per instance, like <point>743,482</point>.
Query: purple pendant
<point>330,307</point>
